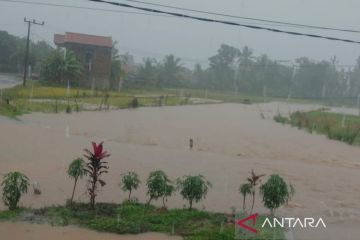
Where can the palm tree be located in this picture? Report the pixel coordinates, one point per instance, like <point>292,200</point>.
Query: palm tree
<point>245,189</point>
<point>71,67</point>
<point>171,69</point>
<point>253,181</point>
<point>245,60</point>
<point>76,170</point>
<point>58,66</point>
<point>118,64</point>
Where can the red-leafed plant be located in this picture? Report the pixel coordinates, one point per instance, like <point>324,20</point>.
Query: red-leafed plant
<point>95,167</point>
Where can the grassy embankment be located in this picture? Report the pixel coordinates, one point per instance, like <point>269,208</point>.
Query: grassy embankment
<point>345,128</point>
<point>39,98</point>
<point>137,218</point>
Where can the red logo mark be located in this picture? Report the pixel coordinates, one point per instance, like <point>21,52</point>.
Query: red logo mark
<point>241,222</point>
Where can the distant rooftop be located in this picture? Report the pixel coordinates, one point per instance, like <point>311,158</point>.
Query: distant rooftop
<point>69,37</point>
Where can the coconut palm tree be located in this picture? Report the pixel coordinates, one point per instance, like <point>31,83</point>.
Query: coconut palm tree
<point>171,71</point>
<point>76,170</point>
<point>254,181</point>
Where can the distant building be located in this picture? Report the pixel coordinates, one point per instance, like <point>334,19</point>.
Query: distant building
<point>94,52</point>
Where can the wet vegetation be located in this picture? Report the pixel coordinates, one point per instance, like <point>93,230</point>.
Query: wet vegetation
<point>275,192</point>
<point>53,99</point>
<point>337,126</point>
<point>132,216</point>
<point>15,184</point>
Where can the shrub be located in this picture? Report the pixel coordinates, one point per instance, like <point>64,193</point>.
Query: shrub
<point>159,186</point>
<point>280,119</point>
<point>193,188</point>
<point>245,189</point>
<point>76,170</point>
<point>129,182</point>
<point>275,192</point>
<point>345,135</point>
<point>95,167</point>
<point>68,109</point>
<point>14,185</point>
<point>134,103</point>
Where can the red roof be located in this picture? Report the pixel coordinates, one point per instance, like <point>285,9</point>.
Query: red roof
<point>59,39</point>
<point>82,39</point>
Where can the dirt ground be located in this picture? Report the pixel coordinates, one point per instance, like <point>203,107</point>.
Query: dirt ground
<point>229,141</point>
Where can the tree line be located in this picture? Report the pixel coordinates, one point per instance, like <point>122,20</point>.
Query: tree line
<point>13,53</point>
<point>240,71</point>
<point>230,69</point>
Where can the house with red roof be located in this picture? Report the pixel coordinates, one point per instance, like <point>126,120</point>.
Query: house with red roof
<point>94,52</point>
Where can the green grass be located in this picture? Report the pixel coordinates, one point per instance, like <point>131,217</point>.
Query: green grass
<point>225,96</point>
<point>135,218</point>
<point>43,99</point>
<point>11,111</point>
<point>10,215</point>
<point>327,123</point>
<point>281,119</point>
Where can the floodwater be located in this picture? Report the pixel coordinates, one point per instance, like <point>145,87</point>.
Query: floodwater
<point>229,141</point>
<point>22,231</point>
<point>8,80</point>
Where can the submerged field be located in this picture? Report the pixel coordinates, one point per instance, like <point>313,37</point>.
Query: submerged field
<point>229,141</point>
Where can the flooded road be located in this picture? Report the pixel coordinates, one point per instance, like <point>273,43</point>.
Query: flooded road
<point>8,80</point>
<point>229,141</point>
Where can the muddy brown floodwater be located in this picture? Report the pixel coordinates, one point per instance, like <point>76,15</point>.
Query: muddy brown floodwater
<point>27,231</point>
<point>229,141</point>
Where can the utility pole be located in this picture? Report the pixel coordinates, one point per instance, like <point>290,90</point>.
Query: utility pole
<point>29,22</point>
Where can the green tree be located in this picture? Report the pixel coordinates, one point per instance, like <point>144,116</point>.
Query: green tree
<point>14,185</point>
<point>118,72</point>
<point>222,70</point>
<point>275,192</point>
<point>159,186</point>
<point>148,73</point>
<point>169,189</point>
<point>171,71</point>
<point>76,170</point>
<point>13,53</point>
<point>193,188</point>
<point>60,66</point>
<point>245,64</point>
<point>130,181</point>
<point>245,189</point>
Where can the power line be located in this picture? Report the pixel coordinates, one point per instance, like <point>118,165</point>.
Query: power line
<point>246,18</point>
<point>266,22</point>
<point>225,22</point>
<point>107,10</point>
<point>81,7</point>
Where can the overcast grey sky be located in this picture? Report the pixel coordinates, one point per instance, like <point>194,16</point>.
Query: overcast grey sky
<point>156,36</point>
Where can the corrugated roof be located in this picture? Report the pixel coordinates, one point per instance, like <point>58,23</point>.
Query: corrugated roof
<point>80,38</point>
